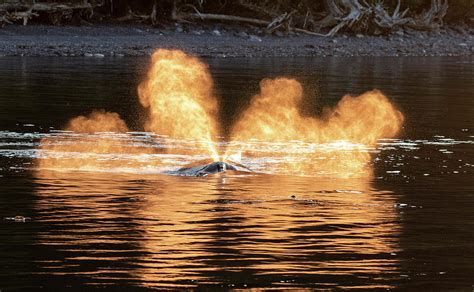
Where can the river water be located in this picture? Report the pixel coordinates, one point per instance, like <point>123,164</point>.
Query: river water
<point>410,226</point>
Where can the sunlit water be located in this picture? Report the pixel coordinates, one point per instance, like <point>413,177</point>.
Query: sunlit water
<point>409,226</point>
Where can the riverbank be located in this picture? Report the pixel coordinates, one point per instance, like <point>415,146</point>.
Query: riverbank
<point>222,41</point>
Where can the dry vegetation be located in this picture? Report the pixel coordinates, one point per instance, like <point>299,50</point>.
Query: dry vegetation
<point>325,18</point>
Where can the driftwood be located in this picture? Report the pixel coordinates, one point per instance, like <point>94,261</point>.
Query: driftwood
<point>263,7</point>
<point>431,19</point>
<point>220,17</point>
<point>387,21</point>
<point>25,16</point>
<point>355,15</point>
<point>14,11</point>
<point>320,18</point>
<point>232,18</point>
<point>5,19</point>
<point>359,16</point>
<point>132,16</point>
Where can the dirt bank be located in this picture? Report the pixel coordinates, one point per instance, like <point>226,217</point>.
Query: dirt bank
<point>221,41</point>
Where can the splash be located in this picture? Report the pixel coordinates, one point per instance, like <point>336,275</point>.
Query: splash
<point>178,94</point>
<point>336,143</point>
<point>86,142</point>
<point>181,105</point>
<point>97,121</point>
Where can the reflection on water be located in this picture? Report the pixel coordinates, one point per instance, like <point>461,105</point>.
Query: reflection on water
<point>231,230</point>
<point>123,223</point>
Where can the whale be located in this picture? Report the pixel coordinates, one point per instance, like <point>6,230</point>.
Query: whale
<point>205,168</point>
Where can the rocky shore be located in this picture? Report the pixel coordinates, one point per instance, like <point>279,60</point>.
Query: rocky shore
<point>223,41</point>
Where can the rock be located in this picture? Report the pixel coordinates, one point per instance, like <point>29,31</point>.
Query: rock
<point>334,41</point>
<point>242,34</point>
<point>216,32</point>
<point>254,38</point>
<point>279,33</point>
<point>400,32</point>
<point>359,35</point>
<point>88,55</point>
<point>179,29</point>
<point>458,29</point>
<point>99,55</point>
<point>462,44</point>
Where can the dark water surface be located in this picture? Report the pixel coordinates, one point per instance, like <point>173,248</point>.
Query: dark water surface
<point>411,226</point>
